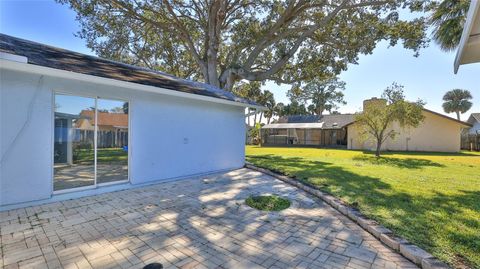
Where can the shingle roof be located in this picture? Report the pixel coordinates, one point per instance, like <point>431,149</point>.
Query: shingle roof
<point>48,56</point>
<point>328,121</point>
<point>106,118</point>
<point>475,116</point>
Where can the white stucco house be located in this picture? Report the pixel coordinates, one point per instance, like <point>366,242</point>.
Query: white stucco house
<point>469,47</point>
<point>75,125</point>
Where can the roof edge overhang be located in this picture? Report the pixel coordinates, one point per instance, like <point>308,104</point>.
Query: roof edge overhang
<point>463,123</point>
<point>466,124</point>
<point>472,14</point>
<point>53,72</point>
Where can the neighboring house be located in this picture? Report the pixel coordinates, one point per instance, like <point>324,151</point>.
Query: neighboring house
<point>175,127</point>
<point>469,47</point>
<point>474,120</point>
<point>307,130</point>
<point>437,133</point>
<point>78,130</point>
<point>107,121</point>
<point>112,128</point>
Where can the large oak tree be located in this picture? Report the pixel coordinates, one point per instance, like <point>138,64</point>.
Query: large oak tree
<point>224,41</point>
<point>321,94</point>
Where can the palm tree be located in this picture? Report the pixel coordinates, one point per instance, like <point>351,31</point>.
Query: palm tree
<point>268,100</point>
<point>447,20</point>
<point>252,91</point>
<point>457,100</point>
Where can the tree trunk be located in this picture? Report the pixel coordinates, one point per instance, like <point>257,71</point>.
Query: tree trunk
<point>458,115</point>
<point>255,118</point>
<point>248,117</point>
<point>320,109</point>
<point>379,146</point>
<point>261,116</point>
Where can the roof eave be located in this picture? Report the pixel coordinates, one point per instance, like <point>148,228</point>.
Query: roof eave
<point>472,14</point>
<point>466,124</point>
<point>42,70</point>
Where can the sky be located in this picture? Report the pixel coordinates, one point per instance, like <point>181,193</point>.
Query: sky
<point>426,77</point>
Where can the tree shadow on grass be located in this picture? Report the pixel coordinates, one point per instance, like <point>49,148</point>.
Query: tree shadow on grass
<point>423,153</point>
<point>445,224</point>
<point>308,172</point>
<point>409,163</point>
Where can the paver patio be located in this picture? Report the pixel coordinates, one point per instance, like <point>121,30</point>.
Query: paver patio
<point>200,222</point>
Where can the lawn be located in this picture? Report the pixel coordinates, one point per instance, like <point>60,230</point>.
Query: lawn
<point>432,199</point>
<point>104,155</point>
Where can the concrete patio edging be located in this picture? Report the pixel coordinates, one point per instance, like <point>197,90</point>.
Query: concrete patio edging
<point>410,251</point>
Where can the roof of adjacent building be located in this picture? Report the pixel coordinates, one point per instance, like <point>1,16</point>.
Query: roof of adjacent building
<point>474,117</point>
<point>52,57</point>
<point>469,47</point>
<point>105,118</point>
<point>448,118</point>
<point>335,121</point>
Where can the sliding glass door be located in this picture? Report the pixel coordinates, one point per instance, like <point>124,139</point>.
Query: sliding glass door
<point>112,141</point>
<point>90,142</point>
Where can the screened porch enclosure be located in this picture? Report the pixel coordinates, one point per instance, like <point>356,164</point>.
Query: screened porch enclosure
<point>306,137</point>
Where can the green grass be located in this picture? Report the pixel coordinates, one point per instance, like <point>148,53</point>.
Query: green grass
<point>432,199</point>
<point>104,155</point>
<point>267,203</point>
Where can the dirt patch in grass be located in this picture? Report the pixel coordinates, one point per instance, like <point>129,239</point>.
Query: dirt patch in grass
<point>268,203</point>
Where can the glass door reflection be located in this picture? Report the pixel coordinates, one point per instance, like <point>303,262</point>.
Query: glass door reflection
<point>74,152</point>
<point>112,141</point>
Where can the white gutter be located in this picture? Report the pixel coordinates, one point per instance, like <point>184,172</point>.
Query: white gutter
<point>13,57</point>
<point>473,11</point>
<point>42,70</point>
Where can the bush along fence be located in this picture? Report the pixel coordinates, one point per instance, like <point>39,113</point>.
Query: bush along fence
<point>413,253</point>
<point>470,142</point>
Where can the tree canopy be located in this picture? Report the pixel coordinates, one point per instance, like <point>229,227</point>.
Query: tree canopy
<point>253,91</point>
<point>223,42</point>
<point>457,101</point>
<point>321,94</point>
<point>377,118</point>
<point>448,19</point>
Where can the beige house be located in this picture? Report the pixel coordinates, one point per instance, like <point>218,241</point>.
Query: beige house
<point>437,133</point>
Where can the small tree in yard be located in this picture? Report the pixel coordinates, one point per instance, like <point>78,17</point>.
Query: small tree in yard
<point>378,116</point>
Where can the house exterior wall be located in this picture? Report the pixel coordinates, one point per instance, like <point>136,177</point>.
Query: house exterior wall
<point>475,129</point>
<point>434,134</point>
<point>170,137</point>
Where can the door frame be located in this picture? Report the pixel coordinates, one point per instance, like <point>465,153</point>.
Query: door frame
<point>95,137</point>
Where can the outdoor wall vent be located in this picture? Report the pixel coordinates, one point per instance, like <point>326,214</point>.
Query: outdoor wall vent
<point>13,57</point>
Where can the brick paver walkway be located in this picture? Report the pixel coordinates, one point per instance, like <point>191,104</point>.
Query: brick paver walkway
<point>195,223</point>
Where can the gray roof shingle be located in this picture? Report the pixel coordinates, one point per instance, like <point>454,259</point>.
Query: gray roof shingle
<point>48,56</point>
<point>475,116</point>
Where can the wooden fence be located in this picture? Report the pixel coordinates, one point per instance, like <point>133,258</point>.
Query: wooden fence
<point>470,142</point>
<point>105,139</point>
